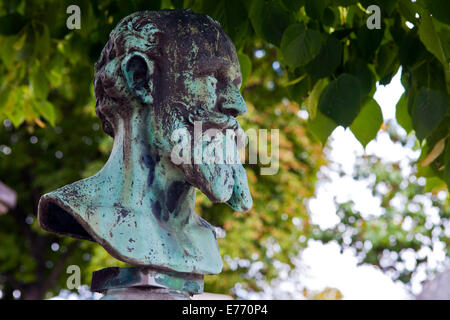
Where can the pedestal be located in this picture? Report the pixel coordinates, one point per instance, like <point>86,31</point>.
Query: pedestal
<point>145,284</point>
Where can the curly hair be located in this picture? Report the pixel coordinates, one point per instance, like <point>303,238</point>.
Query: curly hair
<point>142,32</point>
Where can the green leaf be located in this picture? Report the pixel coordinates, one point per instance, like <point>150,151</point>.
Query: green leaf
<point>411,50</point>
<point>255,16</point>
<point>299,90</point>
<point>16,115</point>
<point>340,100</point>
<point>328,59</point>
<point>328,17</point>
<point>233,18</point>
<point>26,52</point>
<point>39,85</point>
<point>313,99</point>
<point>11,23</point>
<point>293,5</point>
<point>345,3</point>
<point>270,20</point>
<point>369,120</point>
<point>12,105</point>
<point>5,94</point>
<point>300,45</point>
<point>408,10</point>
<point>178,4</point>
<point>430,39</point>
<point>429,108</point>
<point>428,73</point>
<point>369,40</point>
<point>8,49</point>
<point>321,126</point>
<point>439,9</point>
<point>359,69</point>
<point>315,8</point>
<point>43,42</point>
<point>397,29</point>
<point>246,67</point>
<point>443,31</point>
<point>55,71</point>
<point>412,95</point>
<point>45,109</point>
<point>434,184</point>
<point>402,114</point>
<point>386,64</point>
<point>387,6</point>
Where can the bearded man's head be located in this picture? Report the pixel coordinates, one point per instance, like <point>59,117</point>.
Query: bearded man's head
<point>185,70</point>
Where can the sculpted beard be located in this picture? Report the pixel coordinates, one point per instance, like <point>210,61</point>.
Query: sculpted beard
<point>216,170</point>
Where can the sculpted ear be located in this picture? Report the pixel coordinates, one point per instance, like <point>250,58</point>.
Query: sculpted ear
<point>138,71</point>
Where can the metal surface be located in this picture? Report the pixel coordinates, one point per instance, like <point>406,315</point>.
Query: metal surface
<point>159,72</point>
<point>145,294</point>
<point>116,278</point>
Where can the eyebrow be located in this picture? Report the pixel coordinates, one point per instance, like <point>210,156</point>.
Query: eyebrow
<point>210,65</point>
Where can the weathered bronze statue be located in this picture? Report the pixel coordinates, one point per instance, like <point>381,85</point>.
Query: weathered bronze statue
<point>159,72</point>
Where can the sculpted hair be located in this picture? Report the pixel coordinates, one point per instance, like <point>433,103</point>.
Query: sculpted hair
<point>133,33</point>
<point>144,32</point>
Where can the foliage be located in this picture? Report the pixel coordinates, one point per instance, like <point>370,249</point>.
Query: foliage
<point>332,61</point>
<point>317,53</point>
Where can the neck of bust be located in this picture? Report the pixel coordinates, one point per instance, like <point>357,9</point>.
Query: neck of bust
<point>140,178</point>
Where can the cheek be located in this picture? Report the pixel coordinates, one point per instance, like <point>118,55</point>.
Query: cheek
<point>164,132</point>
<point>202,91</point>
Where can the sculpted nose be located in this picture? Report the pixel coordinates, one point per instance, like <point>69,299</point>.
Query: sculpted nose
<point>233,103</point>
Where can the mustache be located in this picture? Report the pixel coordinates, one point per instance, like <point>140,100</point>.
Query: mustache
<point>213,119</point>
<point>226,183</point>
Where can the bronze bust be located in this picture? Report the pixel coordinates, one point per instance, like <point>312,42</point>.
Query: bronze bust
<point>159,72</point>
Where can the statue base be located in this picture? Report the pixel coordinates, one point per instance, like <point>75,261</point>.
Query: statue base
<point>138,283</point>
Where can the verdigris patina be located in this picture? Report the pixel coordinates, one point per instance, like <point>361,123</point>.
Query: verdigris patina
<point>159,72</point>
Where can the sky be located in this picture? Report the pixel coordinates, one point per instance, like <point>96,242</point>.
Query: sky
<point>327,267</point>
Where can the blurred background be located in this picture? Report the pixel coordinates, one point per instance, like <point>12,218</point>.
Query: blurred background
<point>359,208</point>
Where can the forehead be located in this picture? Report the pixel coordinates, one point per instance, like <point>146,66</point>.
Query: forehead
<point>200,47</point>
